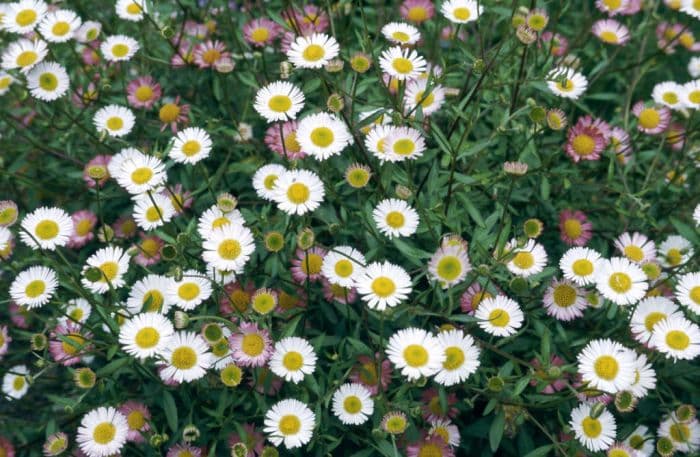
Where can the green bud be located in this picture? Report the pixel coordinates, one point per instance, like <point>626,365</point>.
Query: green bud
<point>495,384</point>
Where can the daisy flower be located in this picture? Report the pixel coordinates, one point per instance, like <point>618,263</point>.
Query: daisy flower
<point>298,191</point>
<point>131,10</point>
<point>150,294</point>
<point>184,450</point>
<point>228,248</point>
<point>21,17</point>
<point>46,228</point>
<point>213,219</point>
<point>290,422</point>
<point>5,341</point>
<point>146,335</point>
<point>143,92</point>
<point>212,54</point>
<point>343,265</point>
<point>461,357</point>
<point>119,48</point>
<point>694,67</point>
<point>279,101</point>
<point>190,146</point>
<point>563,300</point>
<point>251,346</point>
<point>190,291</point>
<point>116,120</point>
<point>15,383</point>
<point>401,33</point>
<point>402,64</point>
<point>528,260</point>
<point>395,217</point>
<point>366,372</point>
<point>140,173</point>
<point>648,313</point>
<point>669,94</point>
<point>537,19</point>
<point>595,433</point>
<point>84,222</point>
<point>461,11</point>
<point>566,83</point>
<point>587,139</point>
<point>153,210</point>
<point>500,316</point>
<point>352,404</point>
<point>97,166</point>
<point>383,285</point>
<point>149,250</point>
<point>137,417</point>
<point>691,94</point>
<point>261,32</point>
<point>102,432</point>
<point>574,227</point>
<point>322,135</point>
<point>416,353</point>
<point>449,265</point>
<point>293,357</point>
<point>59,26</point>
<point>313,51</point>
<point>283,140</point>
<point>641,441</point>
<point>580,265</point>
<point>307,264</point>
<point>472,297</point>
<point>644,377</point>
<point>375,142</point>
<point>429,445</point>
<point>636,247</point>
<point>23,54</point>
<point>6,80</point>
<point>68,344</point>
<point>265,178</point>
<point>186,357</point>
<point>172,114</point>
<point>651,120</point>
<point>429,99</point>
<point>404,143</point>
<point>621,281</point>
<point>688,291</point>
<point>677,338</point>
<point>417,11</point>
<point>606,365</point>
<point>675,251</point>
<point>87,32</point>
<point>685,436</point>
<point>78,310</point>
<point>611,32</point>
<point>112,262</point>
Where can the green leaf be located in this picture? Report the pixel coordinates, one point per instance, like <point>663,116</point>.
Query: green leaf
<point>473,212</point>
<point>496,430</point>
<point>170,410</point>
<point>540,451</point>
<point>113,366</point>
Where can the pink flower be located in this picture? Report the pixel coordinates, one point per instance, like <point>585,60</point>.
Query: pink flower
<point>574,228</point>
<point>148,250</point>
<point>73,346</point>
<point>143,92</point>
<point>542,376</point>
<point>559,44</point>
<point>251,346</point>
<point>137,416</point>
<point>90,55</point>
<point>5,341</point>
<point>675,136</point>
<point>610,31</point>
<point>211,54</point>
<point>651,120</point>
<point>19,315</point>
<point>83,97</point>
<point>173,113</point>
<point>333,292</point>
<point>125,227</point>
<point>236,299</point>
<point>283,140</point>
<point>587,139</point>
<point>8,450</point>
<point>432,410</point>
<point>432,445</point>
<point>183,449</point>
<point>184,55</point>
<point>633,7</point>
<point>261,32</point>
<point>367,373</point>
<point>84,222</point>
<point>620,141</point>
<point>471,298</point>
<point>307,265</point>
<point>312,19</point>
<point>417,11</point>
<point>181,199</point>
<point>253,440</point>
<point>97,164</point>
<point>6,253</point>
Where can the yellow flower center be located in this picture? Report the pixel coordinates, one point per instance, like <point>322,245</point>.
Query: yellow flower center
<point>396,424</point>
<point>358,177</point>
<point>634,253</point>
<point>291,144</point>
<point>401,36</point>
<point>144,93</point>
<point>133,8</point>
<point>109,271</point>
<point>582,267</point>
<point>188,291</point>
<point>289,425</point>
<point>147,338</point>
<point>343,268</point>
<point>652,319</point>
<point>312,264</point>
<point>141,175</point>
<point>383,286</point>
<point>430,450</point>
<point>612,4</point>
<point>426,100</point>
<point>649,118</point>
<point>293,361</point>
<point>150,247</point>
<point>280,103</point>
<point>183,358</point>
<point>210,56</point>
<point>694,96</point>
<point>83,227</point>
<point>583,144</point>
<point>591,427</point>
<point>564,295</point>
<point>120,50</point>
<point>402,65</point>
<point>240,299</point>
<point>229,249</point>
<point>352,404</point>
<point>537,22</point>
<point>156,300</point>
<point>679,432</point>
<point>260,34</point>
<point>620,282</point>
<point>674,256</point>
<point>415,355</point>
<point>670,97</point>
<point>368,374</point>
<point>678,340</point>
<point>26,17</point>
<point>104,433</point>
<point>462,14</point>
<point>72,344</point>
<point>499,317</point>
<point>76,315</point>
<point>404,146</point>
<point>608,36</point>
<point>169,113</point>
<point>152,214</point>
<point>395,219</point>
<point>298,193</point>
<point>566,85</point>
<point>252,344</point>
<point>313,52</point>
<point>26,58</point>
<point>524,260</point>
<point>136,420</point>
<point>322,137</point>
<point>449,268</point>
<point>4,84</point>
<point>18,383</point>
<point>263,303</point>
<point>46,229</point>
<point>35,288</point>
<point>606,367</point>
<point>115,123</point>
<point>60,28</point>
<point>573,228</point>
<point>454,358</point>
<point>695,294</point>
<point>417,14</point>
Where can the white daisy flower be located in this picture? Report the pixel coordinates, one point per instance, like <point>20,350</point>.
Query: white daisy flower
<point>229,247</point>
<point>668,93</point>
<point>190,291</point>
<point>500,316</point>
<point>88,32</point>
<point>146,335</point>
<point>529,260</point>
<point>416,353</point>
<point>563,300</point>
<point>15,383</point>
<point>102,432</point>
<point>298,191</point>
<point>21,17</point>
<point>46,228</point>
<point>566,83</point>
<point>6,80</point>
<point>418,93</point>
<point>47,81</point>
<point>648,313</point>
<point>688,291</point>
<point>445,430</point>
<point>187,357</point>
<point>131,10</point>
<point>78,310</point>
<point>380,116</point>
<point>313,51</point>
<point>24,54</point>
<point>607,365</point>
<point>675,251</point>
<point>404,143</point>
<point>150,294</point>
<point>461,357</point>
<point>148,215</point>
<point>113,264</point>
<point>449,265</point>
<point>595,433</point>
<point>401,33</point>
<point>580,265</point>
<point>677,338</point>
<point>59,26</point>
<point>221,277</point>
<point>34,286</point>
<point>343,265</point>
<point>636,247</point>
<point>641,441</point>
<point>375,142</point>
<point>322,135</point>
<point>691,94</point>
<point>621,281</point>
<point>685,436</point>
<point>290,422</point>
<point>213,218</point>
<point>293,358</point>
<point>395,217</point>
<point>402,64</point>
<point>190,146</point>
<point>461,11</point>
<point>279,101</point>
<point>141,173</point>
<point>694,67</point>
<point>116,120</point>
<point>5,238</point>
<point>644,377</point>
<point>353,404</point>
<point>383,285</point>
<point>119,48</point>
<point>265,178</point>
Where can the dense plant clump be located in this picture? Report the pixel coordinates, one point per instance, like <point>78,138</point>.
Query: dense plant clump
<point>416,228</point>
